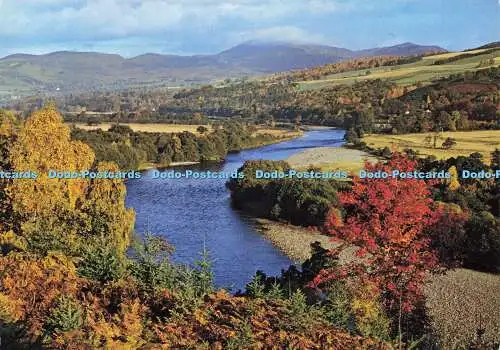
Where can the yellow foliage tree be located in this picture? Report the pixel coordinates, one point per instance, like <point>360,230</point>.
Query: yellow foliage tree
<point>66,208</point>
<point>106,199</point>
<point>9,126</point>
<point>44,144</point>
<point>453,183</point>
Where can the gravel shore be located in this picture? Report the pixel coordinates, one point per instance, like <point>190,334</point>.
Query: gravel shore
<point>295,241</point>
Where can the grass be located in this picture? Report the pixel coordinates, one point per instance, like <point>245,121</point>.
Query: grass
<point>331,158</point>
<point>468,142</point>
<point>176,128</point>
<point>452,54</point>
<point>407,74</point>
<point>152,127</point>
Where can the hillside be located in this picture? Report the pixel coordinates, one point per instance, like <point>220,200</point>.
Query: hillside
<point>82,71</point>
<point>405,49</point>
<point>416,70</point>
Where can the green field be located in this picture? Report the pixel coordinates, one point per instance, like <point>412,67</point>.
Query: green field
<point>468,142</point>
<point>422,71</point>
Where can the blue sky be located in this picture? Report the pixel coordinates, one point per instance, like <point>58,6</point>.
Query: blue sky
<point>132,27</point>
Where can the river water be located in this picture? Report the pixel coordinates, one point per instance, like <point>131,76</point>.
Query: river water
<point>194,213</point>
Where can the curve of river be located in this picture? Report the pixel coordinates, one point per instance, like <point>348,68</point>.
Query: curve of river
<point>191,213</point>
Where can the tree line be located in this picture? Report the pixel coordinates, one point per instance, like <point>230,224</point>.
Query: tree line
<point>130,149</point>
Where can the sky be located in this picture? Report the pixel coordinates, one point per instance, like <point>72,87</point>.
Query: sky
<point>134,27</point>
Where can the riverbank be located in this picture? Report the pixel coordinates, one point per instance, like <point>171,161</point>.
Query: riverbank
<point>281,137</point>
<point>148,166</point>
<point>331,158</point>
<point>459,302</point>
<point>295,241</point>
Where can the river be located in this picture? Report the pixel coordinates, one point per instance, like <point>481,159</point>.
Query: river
<point>192,213</point>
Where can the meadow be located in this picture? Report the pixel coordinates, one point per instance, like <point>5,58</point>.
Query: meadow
<point>423,71</point>
<point>468,142</point>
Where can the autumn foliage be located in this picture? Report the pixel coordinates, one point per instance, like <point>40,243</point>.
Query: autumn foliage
<point>267,324</point>
<point>67,280</point>
<point>386,219</point>
<point>67,210</point>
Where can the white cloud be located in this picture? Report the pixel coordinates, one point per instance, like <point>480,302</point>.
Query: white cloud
<point>121,18</point>
<point>279,33</point>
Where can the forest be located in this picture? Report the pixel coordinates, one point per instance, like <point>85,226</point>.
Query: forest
<point>75,276</point>
<point>464,101</point>
<point>472,242</point>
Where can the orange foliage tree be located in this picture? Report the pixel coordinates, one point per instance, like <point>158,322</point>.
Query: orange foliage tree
<point>386,219</point>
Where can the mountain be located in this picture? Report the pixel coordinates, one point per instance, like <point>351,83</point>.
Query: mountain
<point>68,71</point>
<point>277,57</point>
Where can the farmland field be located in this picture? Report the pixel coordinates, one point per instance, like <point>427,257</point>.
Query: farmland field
<point>462,302</point>
<point>423,71</point>
<point>452,54</point>
<point>468,142</point>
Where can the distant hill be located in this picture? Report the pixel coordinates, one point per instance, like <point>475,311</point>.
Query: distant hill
<point>279,57</point>
<point>492,45</point>
<point>405,49</point>
<point>66,71</point>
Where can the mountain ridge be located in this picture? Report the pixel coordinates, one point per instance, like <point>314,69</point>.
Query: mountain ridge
<point>250,43</point>
<point>73,71</point>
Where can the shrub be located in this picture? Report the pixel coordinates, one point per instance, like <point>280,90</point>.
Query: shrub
<point>65,316</point>
<point>101,263</point>
<point>483,243</point>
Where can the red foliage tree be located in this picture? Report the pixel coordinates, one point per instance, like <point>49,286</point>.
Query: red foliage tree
<point>387,220</point>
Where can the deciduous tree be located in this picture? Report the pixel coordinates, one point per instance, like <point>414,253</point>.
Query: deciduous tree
<point>386,219</point>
